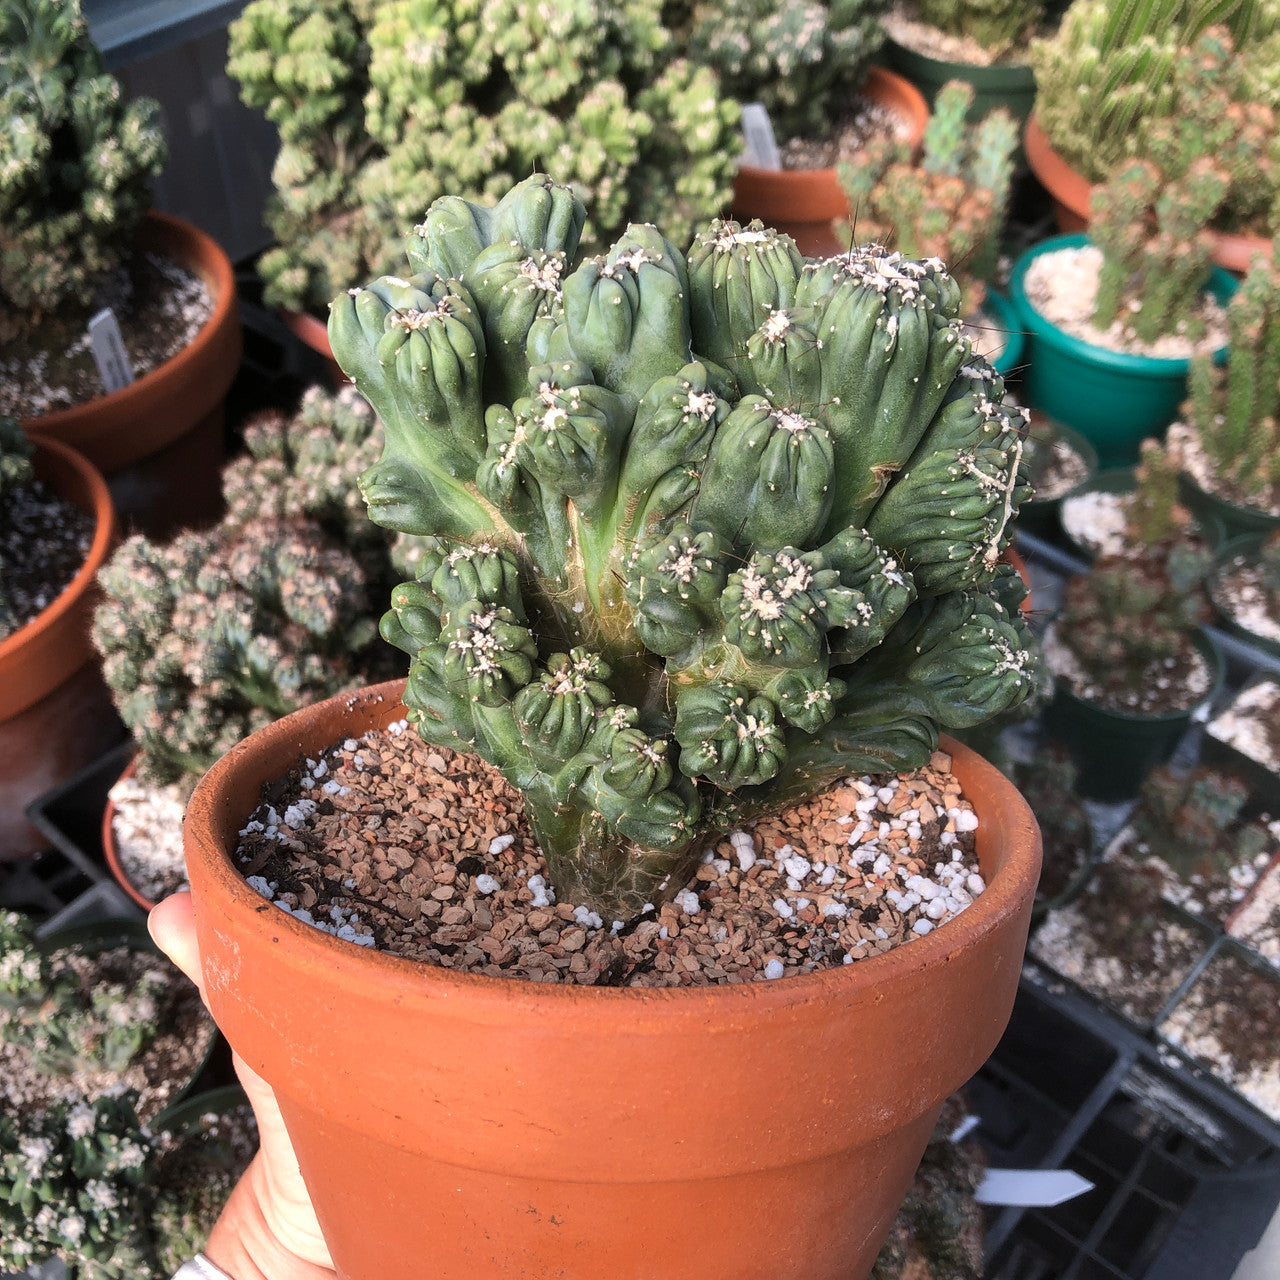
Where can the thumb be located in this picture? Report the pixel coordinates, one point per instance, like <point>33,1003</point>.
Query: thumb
<point>172,925</point>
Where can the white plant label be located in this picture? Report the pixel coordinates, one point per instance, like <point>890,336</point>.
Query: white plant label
<point>757,131</point>
<point>1030,1188</point>
<point>109,354</point>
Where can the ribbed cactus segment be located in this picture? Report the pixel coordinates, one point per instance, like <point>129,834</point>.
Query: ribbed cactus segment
<point>705,505</point>
<point>76,160</point>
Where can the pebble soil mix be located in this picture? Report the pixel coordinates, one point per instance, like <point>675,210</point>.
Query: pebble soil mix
<point>44,540</point>
<point>416,850</point>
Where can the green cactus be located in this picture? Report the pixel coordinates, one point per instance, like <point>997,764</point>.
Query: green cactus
<point>951,203</point>
<point>386,104</point>
<point>1234,412</point>
<point>1139,608</point>
<point>220,632</point>
<point>997,25</point>
<point>701,534</point>
<point>799,58</point>
<point>15,456</point>
<point>76,161</point>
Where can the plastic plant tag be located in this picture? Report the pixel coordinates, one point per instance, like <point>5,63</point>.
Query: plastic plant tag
<point>757,130</point>
<point>1030,1188</point>
<point>112,359</point>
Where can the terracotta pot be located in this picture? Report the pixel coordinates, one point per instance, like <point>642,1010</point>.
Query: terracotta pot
<point>314,333</point>
<point>55,715</point>
<point>111,850</point>
<point>802,203</point>
<point>1072,195</point>
<point>159,440</point>
<point>467,1127</point>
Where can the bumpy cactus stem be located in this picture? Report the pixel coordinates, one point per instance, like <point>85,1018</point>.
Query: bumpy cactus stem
<point>704,533</point>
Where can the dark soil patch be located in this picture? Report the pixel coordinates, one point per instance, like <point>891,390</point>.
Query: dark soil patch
<point>865,122</point>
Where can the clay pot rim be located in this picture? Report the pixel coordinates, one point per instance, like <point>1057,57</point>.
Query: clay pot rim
<point>103,511</point>
<point>1221,283</point>
<point>111,850</point>
<point>174,369</point>
<point>1006,894</point>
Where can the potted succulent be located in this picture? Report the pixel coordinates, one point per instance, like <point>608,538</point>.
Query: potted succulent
<point>78,238</point>
<point>384,106</point>
<point>1059,461</point>
<point>1129,663</point>
<point>1228,441</point>
<point>983,43</point>
<point>1244,736</point>
<point>948,204</point>
<point>214,634</point>
<point>57,526</point>
<point>1114,317</point>
<point>663,598</point>
<point>1112,72</point>
<point>810,66</point>
<point>1244,588</point>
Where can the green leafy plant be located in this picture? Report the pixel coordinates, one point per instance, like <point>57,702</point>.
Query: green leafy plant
<point>217,633</point>
<point>997,25</point>
<point>76,161</point>
<point>1136,611</point>
<point>702,534</point>
<point>798,58</point>
<point>950,204</point>
<point>1232,416</point>
<point>385,104</point>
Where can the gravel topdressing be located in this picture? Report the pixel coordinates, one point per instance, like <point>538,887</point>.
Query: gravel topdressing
<point>390,843</point>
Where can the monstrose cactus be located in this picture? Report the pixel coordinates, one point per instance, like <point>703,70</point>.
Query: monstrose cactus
<point>704,534</point>
<point>76,160</point>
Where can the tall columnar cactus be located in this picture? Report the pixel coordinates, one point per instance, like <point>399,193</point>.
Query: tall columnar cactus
<point>220,632</point>
<point>704,533</point>
<point>386,104</point>
<point>1139,608</point>
<point>951,203</point>
<point>1233,412</point>
<point>997,25</point>
<point>76,160</point>
<point>799,58</point>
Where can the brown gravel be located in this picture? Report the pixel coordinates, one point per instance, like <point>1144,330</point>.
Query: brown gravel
<point>865,122</point>
<point>424,853</point>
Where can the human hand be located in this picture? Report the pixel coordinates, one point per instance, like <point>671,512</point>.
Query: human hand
<point>268,1228</point>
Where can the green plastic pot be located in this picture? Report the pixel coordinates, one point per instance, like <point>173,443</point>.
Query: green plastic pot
<point>1113,398</point>
<point>1008,85</point>
<point>1235,520</point>
<point>1000,311</point>
<point>1247,546</point>
<point>1115,750</point>
<point>1042,516</point>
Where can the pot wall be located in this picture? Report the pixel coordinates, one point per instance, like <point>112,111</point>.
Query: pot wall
<point>463,1126</point>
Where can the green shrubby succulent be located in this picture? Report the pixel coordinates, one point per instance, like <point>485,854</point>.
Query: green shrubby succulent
<point>76,160</point>
<point>700,534</point>
<point>219,632</point>
<point>997,25</point>
<point>386,104</point>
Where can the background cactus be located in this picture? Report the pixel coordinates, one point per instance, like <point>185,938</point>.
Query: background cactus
<point>708,532</point>
<point>1136,611</point>
<point>76,162</point>
<point>1232,416</point>
<point>800,58</point>
<point>385,104</point>
<point>220,632</point>
<point>951,203</point>
<point>997,25</point>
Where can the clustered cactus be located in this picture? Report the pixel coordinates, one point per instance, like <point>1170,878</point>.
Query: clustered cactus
<point>220,632</point>
<point>702,533</point>
<point>799,58</point>
<point>76,161</point>
<point>385,104</point>
<point>951,203</point>
<point>1233,413</point>
<point>1194,822</point>
<point>1114,72</point>
<point>997,25</point>
<point>1137,610</point>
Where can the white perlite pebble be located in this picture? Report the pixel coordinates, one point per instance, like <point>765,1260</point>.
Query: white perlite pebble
<point>774,969</point>
<point>500,844</point>
<point>487,884</point>
<point>542,894</point>
<point>688,902</point>
<point>147,826</point>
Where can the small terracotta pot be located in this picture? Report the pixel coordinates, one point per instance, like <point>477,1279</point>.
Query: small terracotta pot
<point>55,715</point>
<point>111,850</point>
<point>467,1127</point>
<point>159,440</point>
<point>1073,195</point>
<point>314,333</point>
<point>803,203</point>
